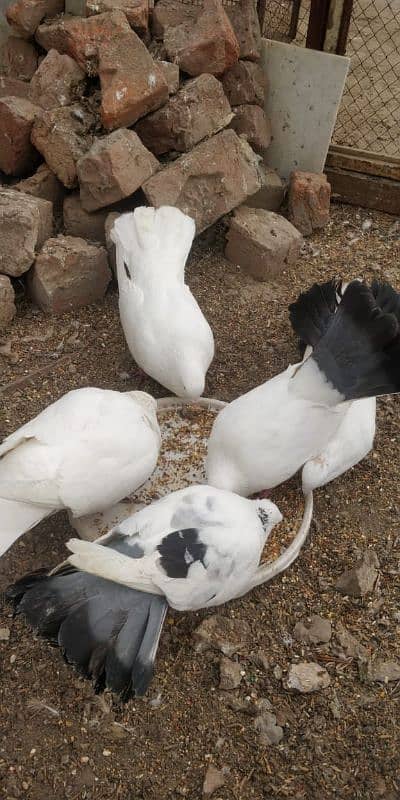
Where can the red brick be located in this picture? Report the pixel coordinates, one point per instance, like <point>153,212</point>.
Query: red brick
<point>7,305</point>
<point>309,201</point>
<point>250,121</point>
<point>208,45</point>
<point>43,184</point>
<point>68,273</point>
<point>263,243</point>
<point>62,136</point>
<point>114,168</point>
<point>245,82</point>
<point>24,16</point>
<point>19,59</point>
<point>17,115</point>
<point>25,224</point>
<point>245,23</point>
<point>132,84</point>
<point>136,12</point>
<point>210,181</point>
<point>198,110</point>
<point>81,223</point>
<point>58,81</point>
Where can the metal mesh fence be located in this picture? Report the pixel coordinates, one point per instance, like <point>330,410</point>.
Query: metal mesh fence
<point>369,115</point>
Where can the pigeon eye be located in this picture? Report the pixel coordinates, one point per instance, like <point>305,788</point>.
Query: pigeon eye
<point>128,274</point>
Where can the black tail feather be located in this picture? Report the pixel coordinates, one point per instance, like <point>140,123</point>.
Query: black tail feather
<point>312,313</point>
<point>105,630</point>
<point>360,351</point>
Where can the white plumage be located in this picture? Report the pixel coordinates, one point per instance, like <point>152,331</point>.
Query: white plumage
<point>86,451</point>
<point>305,415</point>
<point>166,332</point>
<point>199,547</point>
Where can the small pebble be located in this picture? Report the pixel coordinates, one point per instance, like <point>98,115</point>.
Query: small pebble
<point>106,752</point>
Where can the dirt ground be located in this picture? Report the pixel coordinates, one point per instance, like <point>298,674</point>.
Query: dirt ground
<point>57,740</point>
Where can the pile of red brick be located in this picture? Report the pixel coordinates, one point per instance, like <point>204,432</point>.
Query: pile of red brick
<point>124,106</point>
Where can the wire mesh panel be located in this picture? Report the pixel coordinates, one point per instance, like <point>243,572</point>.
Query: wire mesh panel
<point>369,116</point>
<point>285,20</point>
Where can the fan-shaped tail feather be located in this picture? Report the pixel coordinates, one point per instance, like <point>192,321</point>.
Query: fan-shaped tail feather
<point>108,632</point>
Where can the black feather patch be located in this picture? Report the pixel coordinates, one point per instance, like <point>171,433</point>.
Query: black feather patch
<point>313,311</point>
<point>360,351</point>
<point>128,274</point>
<point>263,517</point>
<point>179,550</point>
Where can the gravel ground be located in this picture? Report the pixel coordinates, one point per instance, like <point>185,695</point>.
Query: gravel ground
<point>57,740</point>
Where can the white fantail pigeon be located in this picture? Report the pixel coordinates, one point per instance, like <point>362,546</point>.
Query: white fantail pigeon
<point>166,332</point>
<point>195,548</point>
<point>86,451</point>
<point>264,437</point>
<point>310,316</point>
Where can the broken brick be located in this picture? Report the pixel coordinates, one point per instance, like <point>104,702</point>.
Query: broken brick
<point>25,224</point>
<point>170,14</point>
<point>309,201</point>
<point>81,223</point>
<point>17,116</point>
<point>199,109</point>
<point>209,45</point>
<point>68,273</point>
<point>271,195</point>
<point>136,12</point>
<point>114,168</point>
<point>19,59</point>
<point>245,82</point>
<point>43,184</point>
<point>62,136</point>
<point>58,81</point>
<point>24,16</point>
<point>208,182</point>
<point>250,121</point>
<point>13,87</point>
<point>132,84</point>
<point>262,242</point>
<point>245,23</point>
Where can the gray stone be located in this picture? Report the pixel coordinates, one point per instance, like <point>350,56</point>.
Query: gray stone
<point>313,631</point>
<point>307,677</point>
<point>361,579</point>
<point>230,674</point>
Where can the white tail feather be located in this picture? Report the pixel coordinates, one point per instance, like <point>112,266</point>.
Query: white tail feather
<point>152,241</point>
<point>16,519</point>
<point>107,563</point>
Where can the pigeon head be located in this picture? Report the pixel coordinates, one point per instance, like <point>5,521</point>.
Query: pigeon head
<point>190,380</point>
<point>268,514</point>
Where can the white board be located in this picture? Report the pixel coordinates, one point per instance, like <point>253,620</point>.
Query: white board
<point>305,90</point>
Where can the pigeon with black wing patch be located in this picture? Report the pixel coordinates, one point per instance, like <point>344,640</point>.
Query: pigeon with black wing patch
<point>196,548</point>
